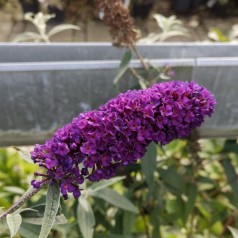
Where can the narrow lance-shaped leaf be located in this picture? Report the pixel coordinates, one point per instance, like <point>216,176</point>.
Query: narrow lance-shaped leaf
<point>128,222</point>
<point>103,235</point>
<point>105,183</point>
<point>86,219</point>
<point>28,36</point>
<point>232,179</point>
<point>23,154</point>
<point>192,194</point>
<point>14,189</point>
<point>234,232</point>
<point>148,163</point>
<point>123,65</point>
<point>172,179</point>
<point>51,208</point>
<point>60,28</point>
<point>115,199</point>
<point>29,230</point>
<point>59,220</point>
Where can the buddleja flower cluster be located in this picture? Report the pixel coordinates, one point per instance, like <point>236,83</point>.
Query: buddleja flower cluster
<point>97,142</point>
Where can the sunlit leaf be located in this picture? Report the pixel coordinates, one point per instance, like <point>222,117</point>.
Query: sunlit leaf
<point>234,231</point>
<point>216,35</point>
<point>14,222</point>
<point>85,216</point>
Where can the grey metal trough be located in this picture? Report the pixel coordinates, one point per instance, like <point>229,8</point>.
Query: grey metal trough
<point>43,86</point>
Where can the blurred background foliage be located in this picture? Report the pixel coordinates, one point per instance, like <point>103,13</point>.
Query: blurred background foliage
<point>176,191</point>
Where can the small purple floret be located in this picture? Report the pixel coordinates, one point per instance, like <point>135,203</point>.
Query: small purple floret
<point>118,133</point>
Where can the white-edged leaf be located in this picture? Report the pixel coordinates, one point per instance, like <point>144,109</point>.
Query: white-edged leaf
<point>234,231</point>
<point>28,36</point>
<point>105,183</point>
<point>115,199</point>
<point>51,208</point>
<point>86,219</point>
<point>23,154</point>
<point>123,65</point>
<point>164,77</point>
<point>14,222</point>
<point>62,27</point>
<point>148,163</point>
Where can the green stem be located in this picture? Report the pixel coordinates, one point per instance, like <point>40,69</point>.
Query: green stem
<point>138,55</point>
<point>25,197</point>
<point>147,233</point>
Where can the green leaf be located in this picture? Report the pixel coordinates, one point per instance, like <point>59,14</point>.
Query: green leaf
<point>234,232</point>
<point>51,208</point>
<point>216,35</point>
<point>174,180</point>
<point>105,183</point>
<point>86,219</point>
<point>115,199</point>
<point>103,235</point>
<point>123,65</point>
<point>192,194</point>
<point>232,179</point>
<point>23,154</point>
<point>29,230</point>
<point>14,222</point>
<point>60,28</point>
<point>36,211</point>
<point>148,163</point>
<point>59,220</point>
<point>128,222</point>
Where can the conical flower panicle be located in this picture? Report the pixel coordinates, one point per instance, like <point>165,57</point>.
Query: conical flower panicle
<point>97,142</point>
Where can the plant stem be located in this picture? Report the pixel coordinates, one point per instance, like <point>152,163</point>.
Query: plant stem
<point>145,65</point>
<point>134,49</point>
<point>147,233</point>
<point>26,196</point>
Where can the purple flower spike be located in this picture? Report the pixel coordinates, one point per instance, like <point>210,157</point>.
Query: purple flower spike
<point>97,142</point>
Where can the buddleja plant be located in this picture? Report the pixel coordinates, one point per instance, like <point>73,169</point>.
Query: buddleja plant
<point>97,143</point>
<point>40,20</point>
<point>169,27</point>
<point>83,157</point>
